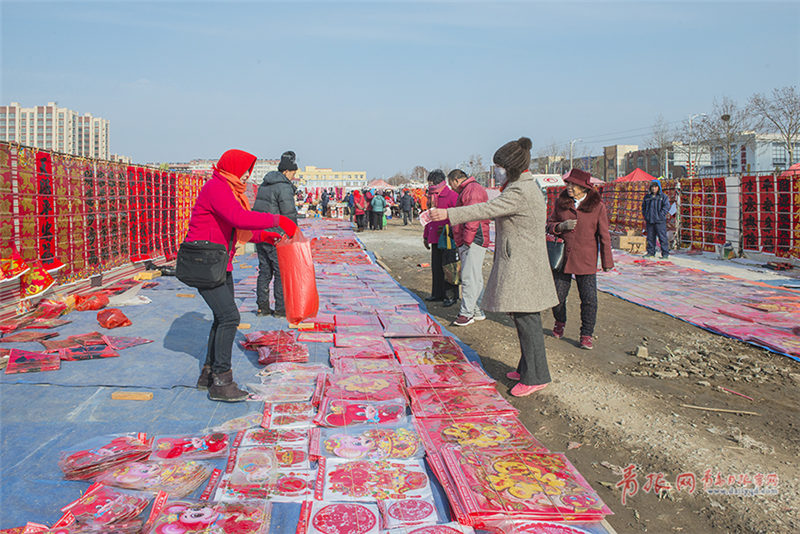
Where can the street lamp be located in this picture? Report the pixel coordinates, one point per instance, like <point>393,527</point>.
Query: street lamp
<point>571,143</point>
<point>691,118</point>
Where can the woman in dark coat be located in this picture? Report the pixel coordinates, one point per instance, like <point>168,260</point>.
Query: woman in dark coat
<point>581,220</point>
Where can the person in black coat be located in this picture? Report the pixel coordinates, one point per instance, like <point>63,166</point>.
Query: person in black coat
<point>406,205</point>
<point>276,194</point>
<point>655,208</point>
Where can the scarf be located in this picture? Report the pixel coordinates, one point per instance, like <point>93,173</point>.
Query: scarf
<point>238,189</point>
<point>434,191</point>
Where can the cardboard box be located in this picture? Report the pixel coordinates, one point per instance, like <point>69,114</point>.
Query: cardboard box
<point>634,244</point>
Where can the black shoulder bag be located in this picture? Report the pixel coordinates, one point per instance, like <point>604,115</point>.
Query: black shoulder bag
<point>555,252</point>
<point>203,264</point>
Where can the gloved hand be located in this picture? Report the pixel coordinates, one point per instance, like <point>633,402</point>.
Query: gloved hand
<point>566,226</point>
<point>287,225</point>
<point>425,242</point>
<point>270,237</point>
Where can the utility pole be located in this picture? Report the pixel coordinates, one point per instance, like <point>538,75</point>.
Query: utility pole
<point>691,118</point>
<point>571,143</point>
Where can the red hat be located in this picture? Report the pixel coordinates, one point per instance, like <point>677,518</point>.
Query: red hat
<point>236,162</point>
<point>579,177</point>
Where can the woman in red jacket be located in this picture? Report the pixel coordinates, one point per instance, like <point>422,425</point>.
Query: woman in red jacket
<point>442,197</point>
<point>221,214</point>
<point>580,219</point>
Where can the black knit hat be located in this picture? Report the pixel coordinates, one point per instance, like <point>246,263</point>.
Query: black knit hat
<point>514,157</point>
<point>287,162</point>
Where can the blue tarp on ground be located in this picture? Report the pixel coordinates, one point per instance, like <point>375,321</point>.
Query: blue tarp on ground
<point>44,413</point>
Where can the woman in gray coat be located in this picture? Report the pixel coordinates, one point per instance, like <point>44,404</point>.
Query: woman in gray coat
<point>520,283</point>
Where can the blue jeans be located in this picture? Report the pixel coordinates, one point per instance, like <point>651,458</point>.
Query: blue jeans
<point>657,230</point>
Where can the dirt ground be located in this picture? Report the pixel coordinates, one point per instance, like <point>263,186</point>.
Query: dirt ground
<point>609,408</point>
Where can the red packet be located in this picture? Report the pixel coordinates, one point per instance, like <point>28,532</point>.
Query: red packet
<point>23,361</point>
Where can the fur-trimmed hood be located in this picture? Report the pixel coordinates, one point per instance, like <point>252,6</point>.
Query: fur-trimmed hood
<point>588,205</point>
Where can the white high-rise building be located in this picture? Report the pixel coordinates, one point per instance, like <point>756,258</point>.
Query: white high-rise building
<point>55,128</point>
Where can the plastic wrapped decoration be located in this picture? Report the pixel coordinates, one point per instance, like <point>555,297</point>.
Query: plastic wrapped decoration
<point>407,513</point>
<point>209,517</point>
<point>334,413</point>
<point>268,437</point>
<point>337,353</point>
<point>253,340</point>
<point>93,301</point>
<point>497,484</point>
<point>103,453</point>
<point>23,361</point>
<point>288,415</point>
<point>392,442</point>
<point>363,341</point>
<point>534,527</point>
<point>315,337</point>
<point>293,485</point>
<point>249,474</point>
<point>477,432</point>
<point>178,478</point>
<point>374,387</point>
<point>352,319</point>
<point>428,351</point>
<point>87,352</point>
<point>357,366</point>
<point>339,518</point>
<point>444,402</point>
<point>452,375</point>
<point>102,506</point>
<point>446,528</point>
<point>365,480</point>
<point>190,447</point>
<point>409,325</point>
<point>295,353</point>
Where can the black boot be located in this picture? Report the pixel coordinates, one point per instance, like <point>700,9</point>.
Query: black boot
<point>205,378</point>
<point>224,389</point>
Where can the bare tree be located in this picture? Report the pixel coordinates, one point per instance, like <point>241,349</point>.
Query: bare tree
<point>661,139</point>
<point>419,173</point>
<point>781,112</point>
<point>724,126</point>
<point>474,165</point>
<point>555,158</point>
<point>398,179</point>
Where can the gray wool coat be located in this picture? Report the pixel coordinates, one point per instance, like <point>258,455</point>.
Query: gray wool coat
<point>521,280</point>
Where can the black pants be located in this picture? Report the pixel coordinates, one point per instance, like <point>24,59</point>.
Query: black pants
<point>532,366</point>
<point>406,217</point>
<point>587,290</point>
<point>268,270</point>
<point>440,289</point>
<point>324,210</point>
<point>371,219</point>
<point>378,215</point>
<point>361,221</point>
<point>657,230</point>
<point>223,329</point>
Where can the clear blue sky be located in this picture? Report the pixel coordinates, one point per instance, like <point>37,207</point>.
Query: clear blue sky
<point>384,86</point>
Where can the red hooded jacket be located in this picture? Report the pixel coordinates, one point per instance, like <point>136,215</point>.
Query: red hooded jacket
<point>464,234</point>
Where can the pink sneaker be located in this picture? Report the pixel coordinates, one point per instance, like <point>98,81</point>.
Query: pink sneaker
<point>586,342</point>
<point>521,390</point>
<point>558,330</point>
<point>513,375</point>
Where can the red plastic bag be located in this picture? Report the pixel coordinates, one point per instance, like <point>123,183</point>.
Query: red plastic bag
<point>112,318</point>
<point>298,278</point>
<point>95,301</point>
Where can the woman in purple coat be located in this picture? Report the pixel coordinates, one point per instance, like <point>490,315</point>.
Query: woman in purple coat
<point>581,220</point>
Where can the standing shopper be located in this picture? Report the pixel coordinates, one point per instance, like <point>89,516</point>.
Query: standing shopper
<point>221,214</point>
<point>406,206</point>
<point>520,283</point>
<point>275,195</point>
<point>369,194</point>
<point>360,207</point>
<point>471,239</point>
<point>442,197</point>
<point>655,208</point>
<point>378,206</point>
<point>350,206</point>
<point>580,219</point>
<point>324,202</point>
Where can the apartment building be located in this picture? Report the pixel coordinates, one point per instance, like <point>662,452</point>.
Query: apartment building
<point>323,177</point>
<point>56,128</point>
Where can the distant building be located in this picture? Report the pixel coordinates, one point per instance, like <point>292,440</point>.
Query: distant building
<point>751,153</point>
<point>55,128</point>
<point>204,167</point>
<point>549,165</point>
<point>319,177</point>
<point>615,161</point>
<point>120,159</point>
